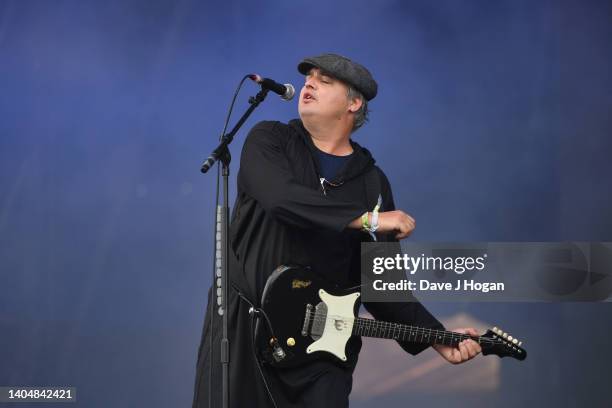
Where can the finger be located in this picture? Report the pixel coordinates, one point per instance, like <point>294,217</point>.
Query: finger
<point>405,230</point>
<point>471,347</point>
<point>402,235</point>
<point>408,226</point>
<point>476,346</point>
<point>455,356</point>
<point>409,231</point>
<point>464,351</point>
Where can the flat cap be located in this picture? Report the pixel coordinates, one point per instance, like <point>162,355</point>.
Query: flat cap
<point>345,70</point>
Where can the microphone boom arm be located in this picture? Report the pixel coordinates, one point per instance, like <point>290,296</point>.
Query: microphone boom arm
<point>221,152</point>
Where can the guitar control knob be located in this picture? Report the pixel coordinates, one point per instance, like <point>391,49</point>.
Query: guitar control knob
<point>291,342</point>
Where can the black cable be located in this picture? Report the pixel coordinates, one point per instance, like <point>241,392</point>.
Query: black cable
<point>254,311</point>
<point>261,373</point>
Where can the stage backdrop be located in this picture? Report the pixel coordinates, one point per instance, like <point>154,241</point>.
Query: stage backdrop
<point>492,123</point>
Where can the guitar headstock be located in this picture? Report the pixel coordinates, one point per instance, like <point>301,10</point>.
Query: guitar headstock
<point>495,341</point>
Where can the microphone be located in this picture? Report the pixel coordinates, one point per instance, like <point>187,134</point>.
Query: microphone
<point>286,91</point>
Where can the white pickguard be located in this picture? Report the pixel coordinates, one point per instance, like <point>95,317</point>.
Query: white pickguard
<point>338,325</point>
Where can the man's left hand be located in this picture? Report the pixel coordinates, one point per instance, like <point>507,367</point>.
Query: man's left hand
<point>466,350</point>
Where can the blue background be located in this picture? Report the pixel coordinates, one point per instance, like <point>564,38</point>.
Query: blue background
<point>493,123</point>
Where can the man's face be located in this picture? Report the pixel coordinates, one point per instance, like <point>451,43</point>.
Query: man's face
<point>323,97</point>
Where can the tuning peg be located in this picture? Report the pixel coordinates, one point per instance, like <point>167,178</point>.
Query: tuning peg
<point>519,343</point>
<point>509,338</point>
<point>495,329</point>
<point>505,335</point>
<point>515,341</point>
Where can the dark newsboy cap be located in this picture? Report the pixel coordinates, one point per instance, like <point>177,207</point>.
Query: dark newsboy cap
<point>345,70</point>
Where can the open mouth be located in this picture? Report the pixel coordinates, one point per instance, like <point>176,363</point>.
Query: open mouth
<point>308,97</point>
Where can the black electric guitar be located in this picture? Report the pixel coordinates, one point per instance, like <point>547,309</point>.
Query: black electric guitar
<point>307,319</point>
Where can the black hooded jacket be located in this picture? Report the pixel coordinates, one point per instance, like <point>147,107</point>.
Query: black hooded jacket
<point>285,213</point>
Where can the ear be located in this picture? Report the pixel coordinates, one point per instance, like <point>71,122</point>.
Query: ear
<point>355,105</point>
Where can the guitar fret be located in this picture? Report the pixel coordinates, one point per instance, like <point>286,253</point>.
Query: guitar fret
<point>402,332</point>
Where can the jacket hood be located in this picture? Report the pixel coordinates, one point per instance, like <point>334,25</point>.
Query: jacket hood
<point>360,162</point>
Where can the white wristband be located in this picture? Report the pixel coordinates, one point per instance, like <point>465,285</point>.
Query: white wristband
<point>374,223</point>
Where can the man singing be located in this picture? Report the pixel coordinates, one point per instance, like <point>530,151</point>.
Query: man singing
<point>306,195</point>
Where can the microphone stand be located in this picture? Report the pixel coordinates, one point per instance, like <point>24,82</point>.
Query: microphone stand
<point>220,273</point>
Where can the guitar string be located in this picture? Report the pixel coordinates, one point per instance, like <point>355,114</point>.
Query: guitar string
<point>427,335</point>
<point>378,326</point>
<point>402,331</point>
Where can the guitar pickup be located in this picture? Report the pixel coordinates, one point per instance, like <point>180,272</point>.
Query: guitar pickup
<point>307,320</point>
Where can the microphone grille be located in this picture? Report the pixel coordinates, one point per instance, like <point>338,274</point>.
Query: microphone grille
<point>289,93</point>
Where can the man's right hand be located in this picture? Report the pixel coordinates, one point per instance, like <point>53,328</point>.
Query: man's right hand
<point>397,222</point>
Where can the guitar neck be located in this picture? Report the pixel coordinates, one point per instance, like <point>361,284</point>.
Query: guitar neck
<point>402,332</point>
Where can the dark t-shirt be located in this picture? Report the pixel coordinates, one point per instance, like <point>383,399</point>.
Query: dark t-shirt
<point>331,164</point>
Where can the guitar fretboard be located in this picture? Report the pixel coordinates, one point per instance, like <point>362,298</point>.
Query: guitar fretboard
<point>402,332</point>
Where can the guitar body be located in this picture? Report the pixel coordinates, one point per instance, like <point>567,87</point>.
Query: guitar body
<point>311,318</point>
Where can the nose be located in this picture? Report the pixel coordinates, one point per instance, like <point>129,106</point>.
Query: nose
<point>310,82</point>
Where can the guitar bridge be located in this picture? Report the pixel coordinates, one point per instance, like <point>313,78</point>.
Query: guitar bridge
<point>307,320</point>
